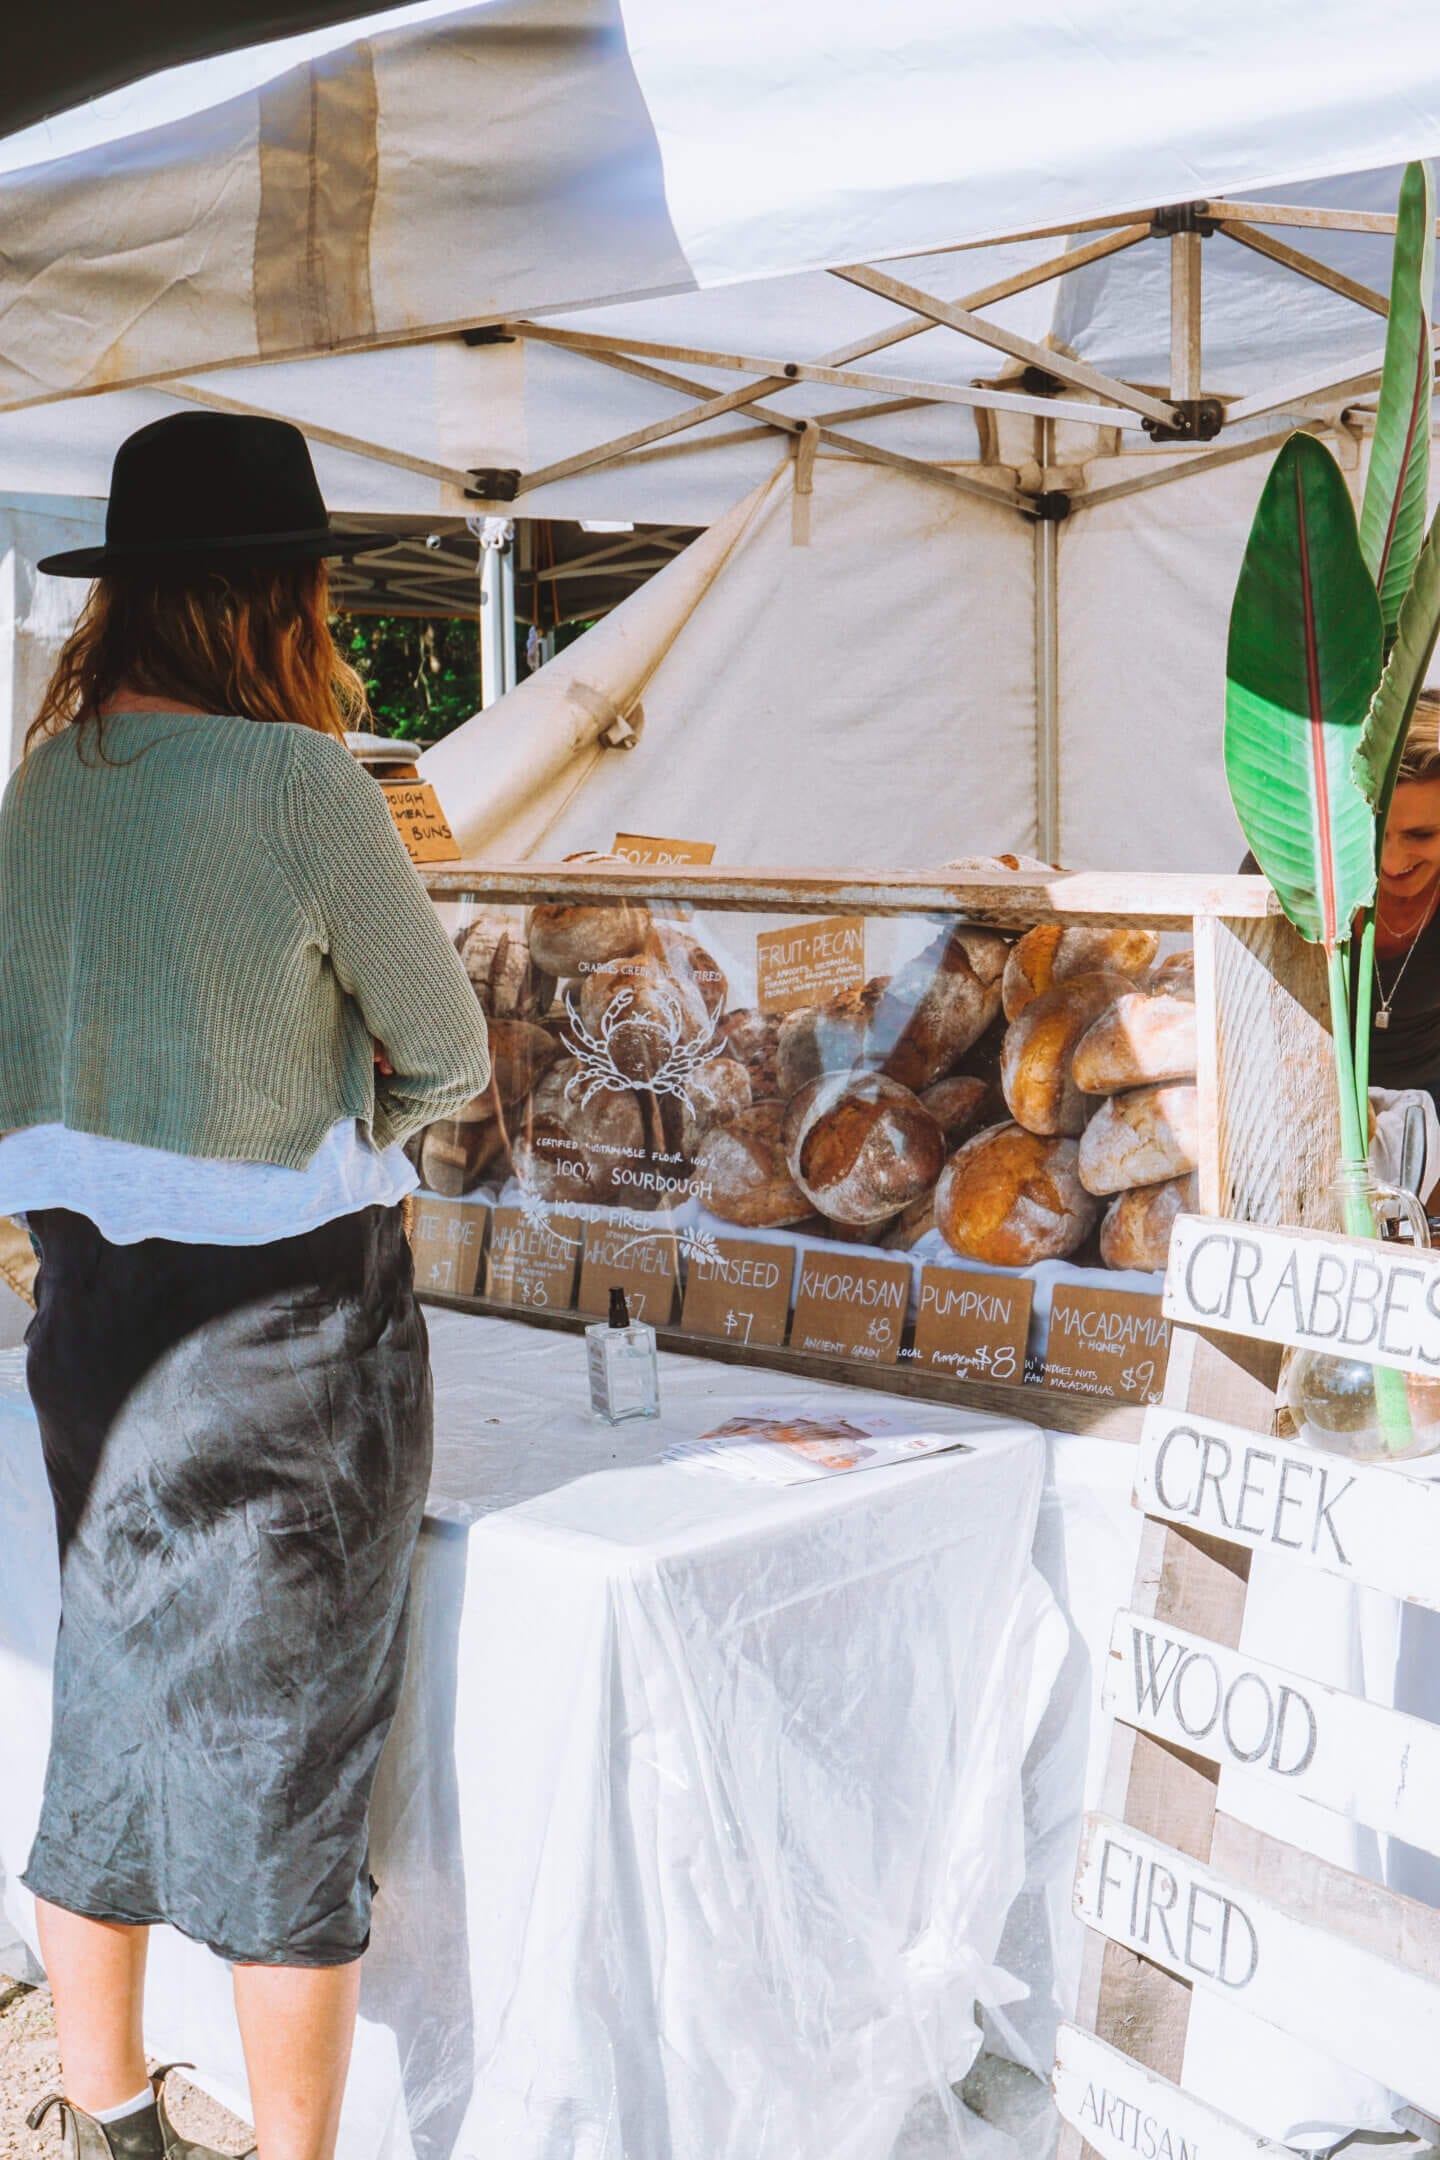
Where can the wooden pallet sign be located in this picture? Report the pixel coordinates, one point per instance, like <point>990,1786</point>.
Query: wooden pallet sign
<point>1179,1897</point>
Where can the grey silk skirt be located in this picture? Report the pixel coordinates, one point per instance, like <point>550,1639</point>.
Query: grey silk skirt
<point>238,1441</point>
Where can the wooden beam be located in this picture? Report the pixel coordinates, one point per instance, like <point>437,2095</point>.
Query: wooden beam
<point>353,445</point>
<point>1306,266</point>
<point>1185,314</point>
<point>619,446</point>
<point>1221,208</point>
<point>997,490</point>
<point>1358,375</point>
<point>1181,468</point>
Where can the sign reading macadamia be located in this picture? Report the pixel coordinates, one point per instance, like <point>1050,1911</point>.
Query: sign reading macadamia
<point>808,963</point>
<point>532,1263</point>
<point>849,1306</point>
<point>642,1263</point>
<point>973,1326</point>
<point>1107,1342</point>
<point>446,1241</point>
<point>742,1294</point>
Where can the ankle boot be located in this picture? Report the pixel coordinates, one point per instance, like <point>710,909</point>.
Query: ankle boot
<point>148,2134</point>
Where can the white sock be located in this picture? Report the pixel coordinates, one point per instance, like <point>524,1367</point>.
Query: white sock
<point>127,2107</point>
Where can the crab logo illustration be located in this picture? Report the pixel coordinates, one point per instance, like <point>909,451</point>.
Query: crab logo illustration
<point>659,1048</point>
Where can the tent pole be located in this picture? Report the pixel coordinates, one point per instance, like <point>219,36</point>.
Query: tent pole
<point>1047,664</point>
<point>496,570</point>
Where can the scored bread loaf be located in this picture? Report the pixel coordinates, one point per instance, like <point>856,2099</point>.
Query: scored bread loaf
<point>1035,1059</point>
<point>643,1007</point>
<point>505,978</point>
<point>714,1093</point>
<point>1012,1197</point>
<point>567,1149</point>
<point>569,937</point>
<point>832,1037</point>
<point>1148,1034</point>
<point>1052,952</point>
<point>937,1005</point>
<point>1136,1230</point>
<point>1143,1137</point>
<point>861,1147</point>
<point>741,1173</point>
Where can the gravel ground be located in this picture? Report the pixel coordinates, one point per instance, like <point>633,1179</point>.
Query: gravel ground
<point>30,2068</point>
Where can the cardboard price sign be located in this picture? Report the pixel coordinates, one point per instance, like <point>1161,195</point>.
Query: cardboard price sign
<point>973,1326</point>
<point>1107,1342</point>
<point>809,963</point>
<point>446,1239</point>
<point>645,1264</point>
<point>642,848</point>
<point>851,1307</point>
<point>744,1295</point>
<point>533,1264</point>
<point>420,821</point>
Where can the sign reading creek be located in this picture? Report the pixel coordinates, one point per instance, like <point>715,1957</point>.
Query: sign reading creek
<point>1354,1296</point>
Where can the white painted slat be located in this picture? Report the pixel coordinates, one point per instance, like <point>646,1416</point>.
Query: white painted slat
<point>1126,2112</point>
<point>1371,1764</point>
<point>1367,1522</point>
<point>1379,2017</point>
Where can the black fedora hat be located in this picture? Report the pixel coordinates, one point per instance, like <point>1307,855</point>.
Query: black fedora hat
<point>204,487</point>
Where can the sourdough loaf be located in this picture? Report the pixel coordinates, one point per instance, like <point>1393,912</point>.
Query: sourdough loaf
<point>861,1147</point>
<point>1052,953</point>
<point>1143,1137</point>
<point>1137,1225</point>
<point>937,1005</point>
<point>1011,1197</point>
<point>741,1173</point>
<point>1035,1060</point>
<point>1148,1034</point>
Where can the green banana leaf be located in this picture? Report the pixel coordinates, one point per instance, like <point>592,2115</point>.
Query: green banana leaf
<point>1303,662</point>
<point>1382,738</point>
<point>1392,515</point>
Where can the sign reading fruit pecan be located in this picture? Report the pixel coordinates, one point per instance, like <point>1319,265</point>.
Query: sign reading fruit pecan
<point>807,963</point>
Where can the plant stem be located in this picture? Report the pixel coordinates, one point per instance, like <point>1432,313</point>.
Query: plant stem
<point>1364,999</point>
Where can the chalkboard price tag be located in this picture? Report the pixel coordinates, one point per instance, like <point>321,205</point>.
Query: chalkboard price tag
<point>645,1264</point>
<point>849,1306</point>
<point>420,821</point>
<point>446,1240</point>
<point>533,1264</point>
<point>743,1294</point>
<point>1107,1342</point>
<point>973,1327</point>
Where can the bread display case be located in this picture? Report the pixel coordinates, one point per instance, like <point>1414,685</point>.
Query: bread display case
<point>933,1128</point>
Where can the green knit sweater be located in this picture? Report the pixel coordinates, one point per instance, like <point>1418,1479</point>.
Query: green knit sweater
<point>200,937</point>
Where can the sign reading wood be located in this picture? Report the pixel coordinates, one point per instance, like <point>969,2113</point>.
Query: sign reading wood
<point>531,1263</point>
<point>1353,1296</point>
<point>1366,1762</point>
<point>641,848</point>
<point>808,963</point>
<point>973,1326</point>
<point>850,1306</point>
<point>1364,2010</point>
<point>1370,1523</point>
<point>1106,1342</point>
<point>645,1264</point>
<point>741,1293</point>
<point>446,1238</point>
<point>1126,2112</point>
<point>415,807</point>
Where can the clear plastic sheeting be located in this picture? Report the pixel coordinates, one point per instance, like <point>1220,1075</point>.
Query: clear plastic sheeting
<point>703,1814</point>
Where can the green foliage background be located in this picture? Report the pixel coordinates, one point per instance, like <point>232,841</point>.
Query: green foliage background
<point>422,672</point>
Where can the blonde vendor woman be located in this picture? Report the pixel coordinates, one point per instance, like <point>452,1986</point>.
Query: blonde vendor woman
<point>224,1003</point>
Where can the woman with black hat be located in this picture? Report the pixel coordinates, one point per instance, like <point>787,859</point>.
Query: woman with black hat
<point>224,1002</point>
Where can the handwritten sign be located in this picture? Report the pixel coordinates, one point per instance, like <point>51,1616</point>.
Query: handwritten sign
<point>415,807</point>
<point>446,1242</point>
<point>973,1326</point>
<point>1378,2016</point>
<point>533,1264</point>
<point>645,1264</point>
<point>849,1306</point>
<point>1371,1764</point>
<point>1126,2112</point>
<point>809,963</point>
<point>742,1295</point>
<point>1106,1342</point>
<point>641,848</point>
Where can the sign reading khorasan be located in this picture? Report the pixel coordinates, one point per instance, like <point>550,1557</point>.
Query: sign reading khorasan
<point>415,807</point>
<point>1107,1342</point>
<point>849,1306</point>
<point>807,963</point>
<point>742,1294</point>
<point>645,1264</point>
<point>1126,2112</point>
<point>532,1263</point>
<point>446,1239</point>
<point>973,1326</point>
<point>1378,2016</point>
<point>641,848</point>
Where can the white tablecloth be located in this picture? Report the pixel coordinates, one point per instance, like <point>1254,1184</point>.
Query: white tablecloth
<point>702,1817</point>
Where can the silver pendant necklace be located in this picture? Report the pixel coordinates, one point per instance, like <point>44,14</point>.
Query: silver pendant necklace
<point>1382,1014</point>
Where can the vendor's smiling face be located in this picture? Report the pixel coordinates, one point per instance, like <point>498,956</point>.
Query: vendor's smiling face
<point>1410,862</point>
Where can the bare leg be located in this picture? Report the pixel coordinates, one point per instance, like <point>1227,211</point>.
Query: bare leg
<point>96,1970</point>
<point>297,2023</point>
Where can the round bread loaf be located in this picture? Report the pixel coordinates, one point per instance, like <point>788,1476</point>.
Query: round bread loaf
<point>1141,1138</point>
<point>638,1011</point>
<point>937,1005</point>
<point>956,1104</point>
<point>1137,1225</point>
<point>914,1223</point>
<point>1148,1034</point>
<point>1052,953</point>
<point>1035,1060</point>
<point>741,1173</point>
<point>569,937</point>
<point>861,1147</point>
<point>456,1153</point>
<point>520,1052</point>
<point>825,1038</point>
<point>568,1150</point>
<point>753,1038</point>
<point>506,979</point>
<point>686,959</point>
<point>1011,1197</point>
<point>715,1092</point>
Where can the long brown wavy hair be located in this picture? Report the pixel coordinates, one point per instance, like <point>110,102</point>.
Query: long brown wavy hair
<point>253,641</point>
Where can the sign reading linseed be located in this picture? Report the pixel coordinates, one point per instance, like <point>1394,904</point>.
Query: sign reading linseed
<point>533,1264</point>
<point>642,1263</point>
<point>445,1238</point>
<point>415,807</point>
<point>851,1306</point>
<point>742,1295</point>
<point>973,1326</point>
<point>809,963</point>
<point>1107,1342</point>
<point>643,848</point>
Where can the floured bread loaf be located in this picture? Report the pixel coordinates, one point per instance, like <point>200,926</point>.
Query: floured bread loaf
<point>1148,1034</point>
<point>569,937</point>
<point>520,1052</point>
<point>1141,1138</point>
<point>507,982</point>
<point>1052,953</point>
<point>568,1150</point>
<point>937,1006</point>
<point>1035,1060</point>
<point>861,1147</point>
<point>741,1173</point>
<point>1011,1197</point>
<point>832,1037</point>
<point>643,1007</point>
<point>753,1038</point>
<point>1136,1230</point>
<point>956,1104</point>
<point>715,1092</point>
